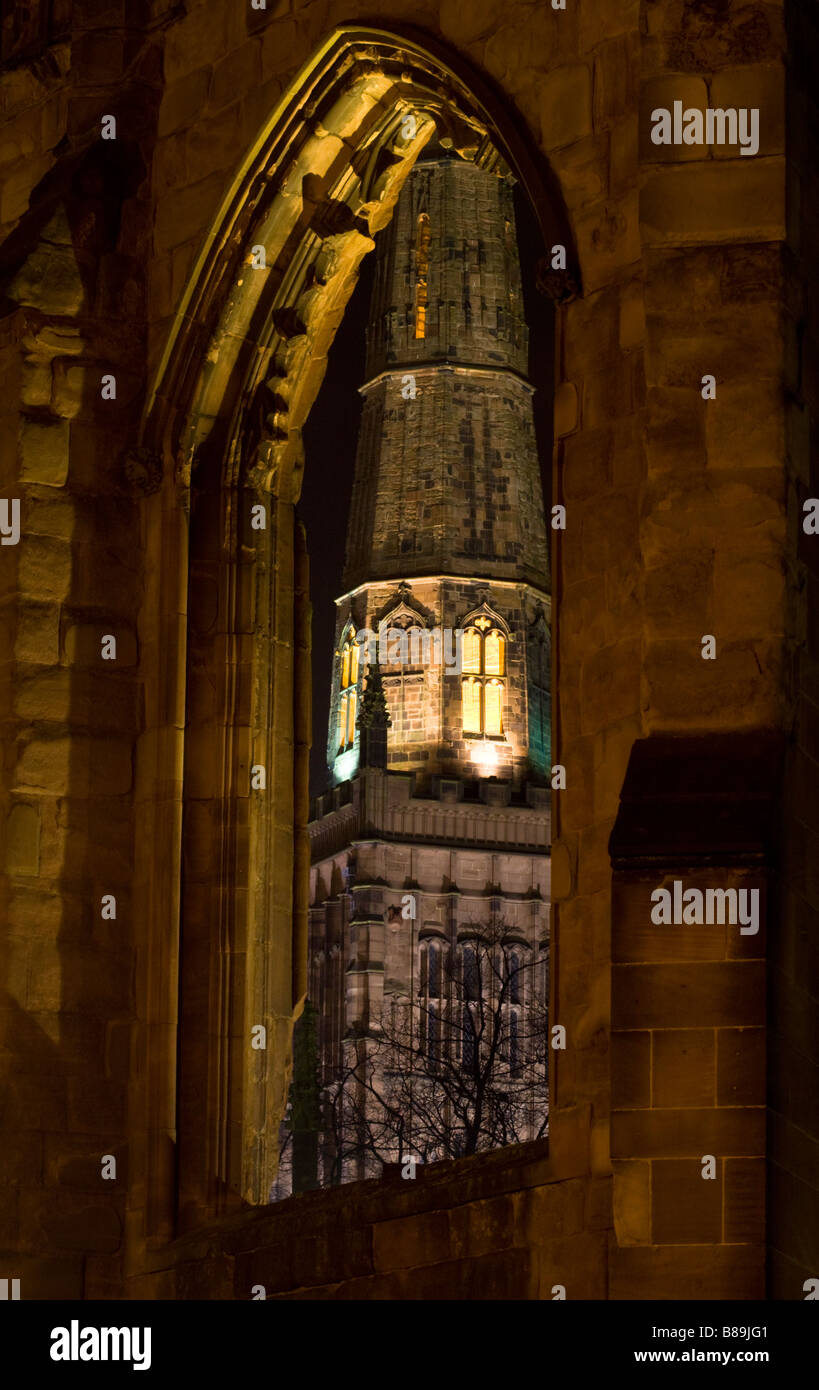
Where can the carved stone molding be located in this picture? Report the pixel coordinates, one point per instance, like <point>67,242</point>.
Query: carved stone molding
<point>560,285</point>
<point>143,469</point>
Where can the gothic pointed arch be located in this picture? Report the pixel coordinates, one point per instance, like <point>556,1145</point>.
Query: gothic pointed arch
<point>220,447</point>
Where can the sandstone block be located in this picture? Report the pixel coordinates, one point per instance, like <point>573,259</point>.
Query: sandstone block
<point>683,1067</point>
<point>737,685</point>
<point>714,201</point>
<point>636,939</point>
<point>609,240</point>
<point>83,646</point>
<point>687,1133</point>
<point>43,452</point>
<point>211,144</point>
<point>593,865</point>
<point>632,1202</point>
<point>616,64</point>
<point>192,44</point>
<point>632,315</point>
<point>412,1241</point>
<point>44,763</point>
<point>561,871</point>
<point>745,1200</point>
<point>678,594</point>
<point>587,465</point>
<point>630,1070</point>
<point>182,101</point>
<point>624,161</point>
<point>466,25</point>
<point>749,596</point>
<point>606,19</point>
<point>45,568</point>
<point>706,994</point>
<point>760,85</point>
<point>610,686</point>
<point>36,383</point>
<point>565,106</point>
<point>662,92</point>
<point>23,839</point>
<point>182,212</point>
<point>553,1210</point>
<point>95,1226</point>
<point>582,170</point>
<point>565,408</point>
<point>741,1066</point>
<point>239,72</point>
<point>481,1227</point>
<point>686,1209</point>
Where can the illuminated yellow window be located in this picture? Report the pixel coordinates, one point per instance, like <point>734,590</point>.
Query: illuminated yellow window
<point>345,667</point>
<point>422,273</point>
<point>354,664</point>
<point>483,656</point>
<point>493,703</point>
<point>493,653</point>
<point>471,651</point>
<point>471,706</point>
<point>342,722</point>
<point>351,709</point>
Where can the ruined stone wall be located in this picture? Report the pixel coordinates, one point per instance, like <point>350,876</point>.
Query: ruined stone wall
<point>495,1226</point>
<point>675,529</point>
<point>793,1060</point>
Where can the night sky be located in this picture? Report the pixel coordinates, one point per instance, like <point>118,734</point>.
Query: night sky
<point>330,437</point>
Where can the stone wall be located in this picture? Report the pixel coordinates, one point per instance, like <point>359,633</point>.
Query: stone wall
<point>489,1227</point>
<point>675,529</point>
<point>793,1059</point>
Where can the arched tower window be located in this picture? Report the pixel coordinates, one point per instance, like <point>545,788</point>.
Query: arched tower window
<point>470,964</point>
<point>469,1040</point>
<point>514,979</point>
<point>421,274</point>
<point>434,972</point>
<point>483,666</point>
<point>514,1049</point>
<point>348,682</point>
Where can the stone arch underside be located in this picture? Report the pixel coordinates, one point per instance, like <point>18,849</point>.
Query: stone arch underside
<point>221,434</point>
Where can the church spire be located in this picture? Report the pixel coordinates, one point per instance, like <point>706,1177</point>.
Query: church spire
<point>447,474</point>
<point>447,534</point>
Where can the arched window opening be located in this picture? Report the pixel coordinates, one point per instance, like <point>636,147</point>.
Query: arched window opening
<point>469,1051</point>
<point>483,663</point>
<point>471,706</point>
<point>434,972</point>
<point>421,274</point>
<point>291,260</point>
<point>470,968</point>
<point>348,683</point>
<point>514,979</point>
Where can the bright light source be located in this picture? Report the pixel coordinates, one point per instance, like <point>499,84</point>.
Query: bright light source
<point>486,757</point>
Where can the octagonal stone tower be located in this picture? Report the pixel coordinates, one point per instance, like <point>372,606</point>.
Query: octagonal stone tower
<point>438,743</point>
<point>447,531</point>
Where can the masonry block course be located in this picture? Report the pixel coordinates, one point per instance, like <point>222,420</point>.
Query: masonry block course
<point>676,519</point>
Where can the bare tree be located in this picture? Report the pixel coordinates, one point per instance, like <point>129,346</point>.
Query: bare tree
<point>461,1068</point>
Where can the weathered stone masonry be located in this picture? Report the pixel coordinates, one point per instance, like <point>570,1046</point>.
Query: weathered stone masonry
<point>133,778</point>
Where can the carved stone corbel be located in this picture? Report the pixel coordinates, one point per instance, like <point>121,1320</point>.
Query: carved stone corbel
<point>143,469</point>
